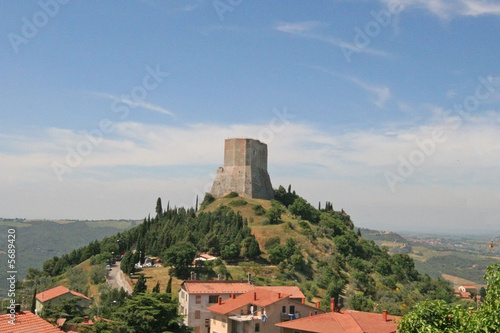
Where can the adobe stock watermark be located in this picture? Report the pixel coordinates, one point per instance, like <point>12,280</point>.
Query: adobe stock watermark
<point>277,124</point>
<point>452,120</point>
<point>93,138</point>
<point>223,6</point>
<point>371,30</point>
<point>30,28</point>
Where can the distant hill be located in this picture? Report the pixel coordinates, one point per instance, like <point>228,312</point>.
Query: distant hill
<point>40,240</point>
<point>382,236</point>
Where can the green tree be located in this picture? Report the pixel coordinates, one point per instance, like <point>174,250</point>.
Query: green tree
<point>155,313</point>
<point>156,288</point>
<point>180,256</point>
<point>159,208</point>
<point>98,274</point>
<point>140,286</point>
<point>250,248</point>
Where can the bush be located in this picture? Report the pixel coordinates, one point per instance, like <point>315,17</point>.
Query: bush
<point>272,242</point>
<point>232,195</point>
<point>209,198</point>
<point>258,210</point>
<point>238,202</point>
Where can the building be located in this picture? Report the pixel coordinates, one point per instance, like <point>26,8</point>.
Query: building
<point>56,295</point>
<point>256,311</point>
<point>195,296</point>
<point>26,322</point>
<point>244,170</point>
<point>345,321</point>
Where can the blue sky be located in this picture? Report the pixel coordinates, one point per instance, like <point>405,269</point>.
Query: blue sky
<point>389,108</point>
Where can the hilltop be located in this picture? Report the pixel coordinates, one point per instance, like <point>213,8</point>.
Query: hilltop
<point>284,241</point>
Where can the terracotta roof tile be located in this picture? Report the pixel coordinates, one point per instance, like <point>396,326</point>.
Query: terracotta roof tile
<point>293,291</point>
<point>216,287</point>
<point>26,322</point>
<point>56,292</point>
<point>347,321</point>
<point>258,297</point>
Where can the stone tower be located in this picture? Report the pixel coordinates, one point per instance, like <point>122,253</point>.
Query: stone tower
<point>244,170</point>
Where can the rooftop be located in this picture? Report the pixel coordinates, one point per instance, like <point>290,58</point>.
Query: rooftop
<point>216,287</point>
<point>56,292</point>
<point>258,297</point>
<point>348,321</point>
<point>26,322</point>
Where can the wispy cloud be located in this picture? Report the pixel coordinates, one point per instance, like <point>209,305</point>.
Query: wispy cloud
<point>305,30</point>
<point>448,9</point>
<point>134,104</point>
<point>125,174</point>
<point>382,93</point>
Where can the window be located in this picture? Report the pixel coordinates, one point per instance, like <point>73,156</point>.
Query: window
<point>292,309</point>
<point>197,314</point>
<point>213,299</point>
<point>257,327</point>
<point>283,309</point>
<point>198,299</point>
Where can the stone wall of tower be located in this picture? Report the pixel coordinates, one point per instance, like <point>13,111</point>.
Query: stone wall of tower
<point>244,170</point>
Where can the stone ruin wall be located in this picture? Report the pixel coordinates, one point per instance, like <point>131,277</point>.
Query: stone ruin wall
<point>244,170</point>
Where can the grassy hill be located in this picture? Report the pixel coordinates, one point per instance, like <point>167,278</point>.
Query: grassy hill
<point>285,241</point>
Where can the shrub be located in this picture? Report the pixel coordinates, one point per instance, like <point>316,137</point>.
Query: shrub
<point>238,202</point>
<point>258,210</point>
<point>232,195</point>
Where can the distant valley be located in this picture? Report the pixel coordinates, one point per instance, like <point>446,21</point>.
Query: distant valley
<point>459,259</point>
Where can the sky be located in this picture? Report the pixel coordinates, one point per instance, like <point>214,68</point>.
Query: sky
<point>389,109</point>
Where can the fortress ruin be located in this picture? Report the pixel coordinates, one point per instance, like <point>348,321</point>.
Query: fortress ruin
<point>244,170</point>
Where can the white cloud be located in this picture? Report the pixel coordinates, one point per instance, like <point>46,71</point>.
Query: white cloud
<point>305,30</point>
<point>383,93</point>
<point>126,172</point>
<point>134,104</point>
<point>447,9</point>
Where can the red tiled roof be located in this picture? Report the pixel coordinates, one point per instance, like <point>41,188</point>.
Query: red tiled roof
<point>56,292</point>
<point>216,287</point>
<point>347,321</point>
<point>470,287</point>
<point>293,291</point>
<point>26,322</point>
<point>258,297</point>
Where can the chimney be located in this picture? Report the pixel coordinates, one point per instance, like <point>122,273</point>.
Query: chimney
<point>218,277</point>
<point>219,300</point>
<point>232,296</point>
<point>86,319</point>
<point>254,296</point>
<point>332,304</point>
<point>17,308</point>
<point>249,278</point>
<point>303,300</point>
<point>310,314</point>
<point>279,295</point>
<point>193,276</point>
<point>317,305</point>
<point>384,315</point>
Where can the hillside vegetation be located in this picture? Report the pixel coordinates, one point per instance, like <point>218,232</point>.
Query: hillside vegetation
<point>283,241</point>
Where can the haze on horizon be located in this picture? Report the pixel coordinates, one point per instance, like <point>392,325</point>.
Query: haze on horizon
<point>389,109</point>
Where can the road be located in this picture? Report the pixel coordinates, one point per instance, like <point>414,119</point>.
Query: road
<point>116,279</point>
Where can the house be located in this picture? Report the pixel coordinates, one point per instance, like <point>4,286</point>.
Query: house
<point>205,257</point>
<point>256,311</point>
<point>55,295</point>
<point>345,321</point>
<point>196,295</point>
<point>26,322</point>
<point>469,289</point>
